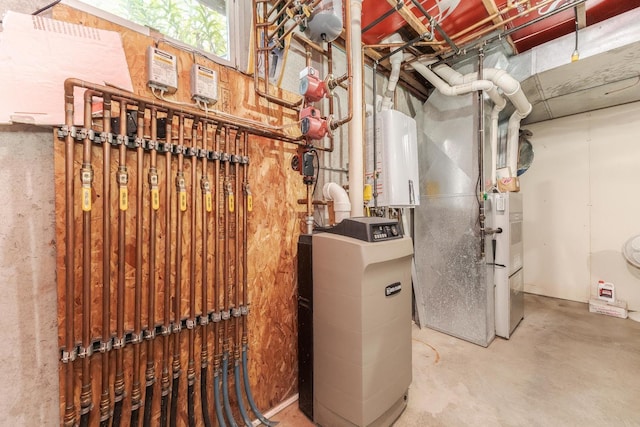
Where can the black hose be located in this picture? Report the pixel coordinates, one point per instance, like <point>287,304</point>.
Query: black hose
<point>117,413</point>
<point>164,405</point>
<point>173,417</point>
<point>243,411</point>
<point>190,405</point>
<point>148,401</point>
<point>84,420</point>
<point>225,390</point>
<point>247,389</point>
<point>203,397</point>
<point>135,417</point>
<point>216,397</point>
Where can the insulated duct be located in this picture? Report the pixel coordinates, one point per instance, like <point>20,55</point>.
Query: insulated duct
<point>341,205</point>
<point>353,15</point>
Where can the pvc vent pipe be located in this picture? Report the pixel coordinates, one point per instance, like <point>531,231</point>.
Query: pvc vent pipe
<point>356,160</point>
<point>341,204</point>
<point>396,63</point>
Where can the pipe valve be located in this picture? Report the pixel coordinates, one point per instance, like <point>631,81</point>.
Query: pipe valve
<point>311,86</point>
<point>312,125</point>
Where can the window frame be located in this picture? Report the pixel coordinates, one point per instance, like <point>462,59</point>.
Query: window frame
<point>238,12</point>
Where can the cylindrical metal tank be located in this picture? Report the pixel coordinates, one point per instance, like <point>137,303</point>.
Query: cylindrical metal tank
<point>325,23</point>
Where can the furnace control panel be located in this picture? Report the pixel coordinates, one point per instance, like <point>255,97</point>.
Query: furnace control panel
<point>369,229</point>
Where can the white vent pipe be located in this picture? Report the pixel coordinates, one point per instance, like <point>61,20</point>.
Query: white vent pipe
<point>447,89</point>
<point>396,64</point>
<point>512,90</point>
<point>356,159</point>
<point>341,204</point>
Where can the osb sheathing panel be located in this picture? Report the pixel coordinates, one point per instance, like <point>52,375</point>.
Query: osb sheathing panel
<point>273,227</point>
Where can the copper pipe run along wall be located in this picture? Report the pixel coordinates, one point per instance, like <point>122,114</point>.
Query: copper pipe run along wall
<point>136,392</point>
<point>86,181</point>
<point>191,321</point>
<point>251,126</point>
<point>105,344</point>
<point>69,352</point>
<point>166,330</point>
<point>154,206</point>
<point>206,208</point>
<point>181,190</point>
<point>123,202</point>
<point>217,315</point>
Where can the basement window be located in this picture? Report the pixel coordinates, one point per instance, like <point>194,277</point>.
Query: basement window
<point>200,24</point>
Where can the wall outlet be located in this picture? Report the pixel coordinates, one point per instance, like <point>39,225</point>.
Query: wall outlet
<point>204,84</point>
<point>162,70</point>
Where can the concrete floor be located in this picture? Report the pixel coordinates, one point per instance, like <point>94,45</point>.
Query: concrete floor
<point>563,366</point>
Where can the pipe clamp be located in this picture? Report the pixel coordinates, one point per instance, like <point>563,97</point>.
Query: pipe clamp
<point>216,317</point>
<point>118,343</point>
<point>176,327</point>
<point>69,356</point>
<point>225,315</point>
<point>85,351</point>
<point>245,310</point>
<point>235,312</point>
<point>213,155</point>
<point>105,346</point>
<point>121,139</point>
<point>191,324</point>
<point>224,157</point>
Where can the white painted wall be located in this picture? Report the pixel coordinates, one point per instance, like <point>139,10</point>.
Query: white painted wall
<point>581,203</point>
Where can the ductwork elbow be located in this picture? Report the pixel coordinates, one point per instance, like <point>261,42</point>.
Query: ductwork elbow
<point>341,204</point>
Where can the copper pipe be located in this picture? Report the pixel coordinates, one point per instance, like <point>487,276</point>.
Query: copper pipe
<point>191,323</point>
<point>154,205</point>
<point>236,258</point>
<point>305,41</point>
<point>136,392</point>
<point>206,208</point>
<point>105,397</point>
<point>177,308</point>
<point>247,204</point>
<point>166,332</point>
<point>216,252</point>
<point>69,341</point>
<point>256,80</point>
<point>86,180</point>
<point>251,126</point>
<point>123,197</point>
<point>228,194</point>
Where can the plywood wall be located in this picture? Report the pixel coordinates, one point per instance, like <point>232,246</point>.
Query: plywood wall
<point>273,227</point>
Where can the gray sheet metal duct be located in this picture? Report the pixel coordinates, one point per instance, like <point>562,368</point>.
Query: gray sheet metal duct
<point>457,286</point>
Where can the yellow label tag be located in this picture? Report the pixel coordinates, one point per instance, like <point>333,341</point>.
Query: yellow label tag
<point>232,203</point>
<point>155,199</point>
<point>183,201</point>
<point>124,199</point>
<point>86,199</point>
<point>207,202</point>
<point>249,202</point>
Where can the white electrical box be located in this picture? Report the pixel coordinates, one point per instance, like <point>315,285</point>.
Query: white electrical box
<point>398,182</point>
<point>162,70</point>
<point>204,84</point>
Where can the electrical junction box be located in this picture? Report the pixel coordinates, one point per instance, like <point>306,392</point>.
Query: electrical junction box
<point>162,70</point>
<point>204,84</point>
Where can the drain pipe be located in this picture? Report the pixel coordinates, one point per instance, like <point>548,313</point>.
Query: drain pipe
<point>341,205</point>
<point>353,10</point>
